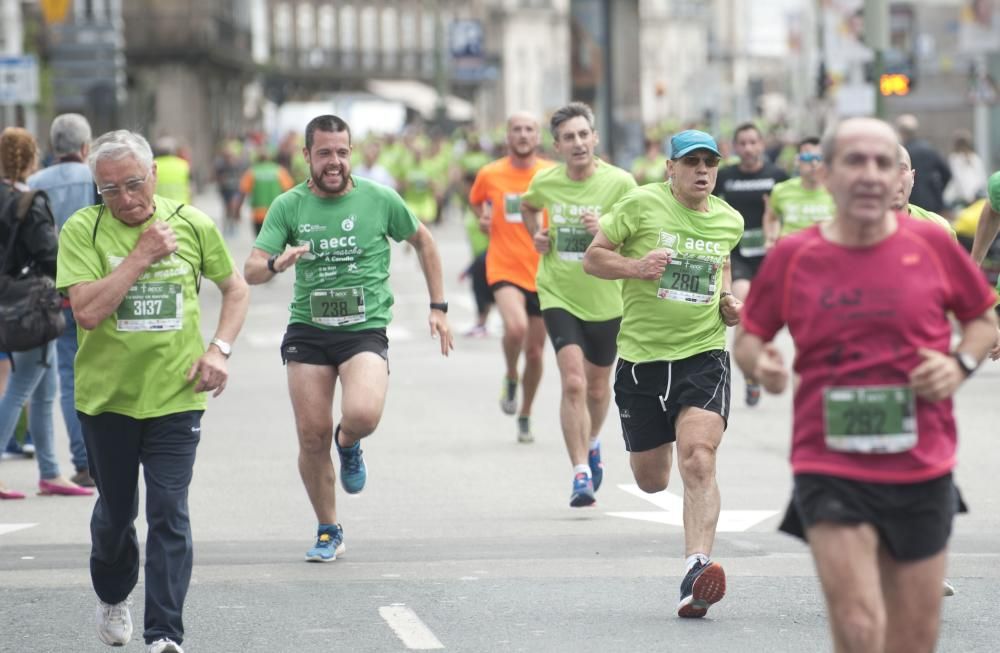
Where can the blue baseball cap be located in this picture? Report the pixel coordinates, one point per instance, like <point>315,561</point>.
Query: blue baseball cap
<point>690,140</point>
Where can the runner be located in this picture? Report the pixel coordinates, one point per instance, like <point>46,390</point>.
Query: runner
<point>744,187</point>
<point>132,268</point>
<point>339,226</point>
<point>799,202</point>
<point>263,182</point>
<point>866,298</point>
<point>512,263</point>
<point>986,233</point>
<point>671,244</point>
<point>901,202</point>
<point>581,313</point>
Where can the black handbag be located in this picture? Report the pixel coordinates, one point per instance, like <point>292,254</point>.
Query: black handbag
<point>30,307</point>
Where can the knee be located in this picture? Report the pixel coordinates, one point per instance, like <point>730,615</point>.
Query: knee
<point>359,424</point>
<point>313,441</point>
<point>533,355</point>
<point>598,392</point>
<point>574,386</point>
<point>514,331</point>
<point>652,482</point>
<point>697,463</point>
<point>859,625</point>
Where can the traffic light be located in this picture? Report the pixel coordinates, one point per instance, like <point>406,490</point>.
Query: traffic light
<point>894,84</point>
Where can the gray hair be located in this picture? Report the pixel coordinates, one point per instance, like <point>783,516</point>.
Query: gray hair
<point>568,112</point>
<point>69,133</point>
<point>117,145</point>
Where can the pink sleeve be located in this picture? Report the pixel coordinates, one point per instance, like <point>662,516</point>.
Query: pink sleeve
<point>763,312</point>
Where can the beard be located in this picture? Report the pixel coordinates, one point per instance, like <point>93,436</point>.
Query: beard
<point>317,180</point>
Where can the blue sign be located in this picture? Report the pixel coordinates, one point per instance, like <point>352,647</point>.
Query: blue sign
<point>465,39</point>
<point>18,80</point>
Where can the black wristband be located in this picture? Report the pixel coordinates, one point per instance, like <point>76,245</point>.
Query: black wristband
<point>439,306</point>
<point>270,263</point>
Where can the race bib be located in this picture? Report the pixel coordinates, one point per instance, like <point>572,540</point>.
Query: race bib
<point>752,243</point>
<point>152,307</point>
<point>870,420</point>
<point>337,306</point>
<point>572,241</point>
<point>512,207</point>
<point>688,280</point>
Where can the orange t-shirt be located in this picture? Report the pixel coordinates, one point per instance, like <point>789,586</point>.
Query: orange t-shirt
<point>511,256</point>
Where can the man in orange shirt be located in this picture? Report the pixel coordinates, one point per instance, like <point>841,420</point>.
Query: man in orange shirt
<point>511,262</point>
<point>262,183</point>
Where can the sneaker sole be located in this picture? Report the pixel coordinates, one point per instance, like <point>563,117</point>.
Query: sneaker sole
<point>582,500</point>
<point>508,408</point>
<point>339,551</point>
<point>708,588</point>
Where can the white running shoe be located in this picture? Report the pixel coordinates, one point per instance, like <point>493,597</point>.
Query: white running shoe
<point>164,646</point>
<point>114,623</point>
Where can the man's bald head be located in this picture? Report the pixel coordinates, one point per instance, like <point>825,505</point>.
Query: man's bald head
<point>521,117</point>
<point>862,169</point>
<point>867,127</point>
<point>907,176</point>
<point>523,135</point>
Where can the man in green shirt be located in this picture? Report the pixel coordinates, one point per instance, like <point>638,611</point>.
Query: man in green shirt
<point>339,226</point>
<point>800,202</point>
<point>132,267</point>
<point>901,202</point>
<point>581,313</point>
<point>986,233</point>
<point>670,243</point>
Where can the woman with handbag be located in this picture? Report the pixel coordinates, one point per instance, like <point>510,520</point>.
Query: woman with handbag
<point>29,244</point>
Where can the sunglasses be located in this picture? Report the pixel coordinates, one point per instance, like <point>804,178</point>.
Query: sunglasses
<point>809,158</point>
<point>692,161</point>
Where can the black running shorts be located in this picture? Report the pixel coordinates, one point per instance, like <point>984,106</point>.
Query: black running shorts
<point>531,304</point>
<point>913,520</point>
<point>651,395</point>
<point>744,268</point>
<point>598,340</point>
<point>304,343</point>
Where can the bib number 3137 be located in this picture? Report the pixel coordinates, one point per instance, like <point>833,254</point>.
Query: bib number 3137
<point>151,307</point>
<point>870,420</point>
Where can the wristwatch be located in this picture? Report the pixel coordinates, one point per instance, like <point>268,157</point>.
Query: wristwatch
<point>270,263</point>
<point>439,306</point>
<point>224,347</point>
<point>966,361</point>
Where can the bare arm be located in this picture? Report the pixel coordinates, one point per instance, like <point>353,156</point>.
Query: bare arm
<point>532,218</point>
<point>430,263</point>
<point>986,232</point>
<point>255,269</point>
<point>729,306</point>
<point>772,223</point>
<point>95,301</point>
<point>938,376</point>
<point>760,360</point>
<point>210,369</point>
<point>603,261</point>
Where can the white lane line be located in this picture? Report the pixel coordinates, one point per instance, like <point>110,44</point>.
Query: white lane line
<point>10,528</point>
<point>408,627</point>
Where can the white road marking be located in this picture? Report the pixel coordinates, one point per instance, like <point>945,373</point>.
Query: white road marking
<point>408,627</point>
<point>672,512</point>
<point>10,528</point>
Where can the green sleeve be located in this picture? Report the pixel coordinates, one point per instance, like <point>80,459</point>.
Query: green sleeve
<point>534,197</point>
<point>275,233</point>
<point>619,223</point>
<point>401,223</point>
<point>77,261</point>
<point>993,188</point>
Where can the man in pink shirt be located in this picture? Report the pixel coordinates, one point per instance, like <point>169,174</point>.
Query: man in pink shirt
<point>866,299</point>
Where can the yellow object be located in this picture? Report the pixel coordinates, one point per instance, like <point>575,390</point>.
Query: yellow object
<point>968,219</point>
<point>173,178</point>
<point>55,11</point>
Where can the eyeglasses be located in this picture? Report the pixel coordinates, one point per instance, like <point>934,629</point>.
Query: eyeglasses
<point>692,161</point>
<point>809,157</point>
<point>132,186</point>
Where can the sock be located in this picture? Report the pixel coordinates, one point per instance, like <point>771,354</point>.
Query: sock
<point>693,559</point>
<point>327,528</point>
<point>595,442</point>
<point>581,469</point>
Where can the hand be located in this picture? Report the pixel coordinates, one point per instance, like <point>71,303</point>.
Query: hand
<point>590,222</point>
<point>769,243</point>
<point>156,243</point>
<point>541,240</point>
<point>730,307</point>
<point>211,372</point>
<point>770,369</point>
<point>937,377</point>
<point>484,221</point>
<point>288,258</point>
<point>995,352</point>
<point>439,327</point>
<point>652,265</point>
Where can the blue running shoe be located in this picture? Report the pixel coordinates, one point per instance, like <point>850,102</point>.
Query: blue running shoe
<point>329,542</point>
<point>353,472</point>
<point>596,466</point>
<point>583,492</point>
<point>704,585</point>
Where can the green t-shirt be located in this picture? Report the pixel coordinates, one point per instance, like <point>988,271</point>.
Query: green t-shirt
<point>993,190</point>
<point>342,284</point>
<point>562,283</point>
<point>136,361</point>
<point>677,316</point>
<point>800,207</point>
<point>649,172</point>
<point>923,214</point>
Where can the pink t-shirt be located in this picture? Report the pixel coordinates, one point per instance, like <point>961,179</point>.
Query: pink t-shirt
<point>858,317</point>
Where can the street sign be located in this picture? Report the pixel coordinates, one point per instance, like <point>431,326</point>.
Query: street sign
<point>465,38</point>
<point>18,80</point>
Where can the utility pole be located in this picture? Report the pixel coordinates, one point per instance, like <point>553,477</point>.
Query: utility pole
<point>877,38</point>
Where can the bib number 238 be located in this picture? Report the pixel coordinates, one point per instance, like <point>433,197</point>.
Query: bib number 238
<point>337,306</point>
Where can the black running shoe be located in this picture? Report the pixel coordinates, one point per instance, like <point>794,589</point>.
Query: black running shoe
<point>704,585</point>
